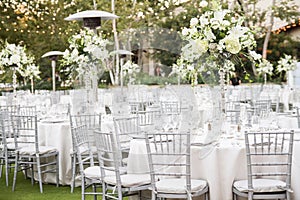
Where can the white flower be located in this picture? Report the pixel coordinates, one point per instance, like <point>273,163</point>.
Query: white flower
<point>209,34</point>
<point>200,46</point>
<point>130,69</point>
<point>194,21</point>
<point>204,21</point>
<point>232,44</point>
<point>265,67</point>
<point>255,55</point>
<point>15,56</point>
<point>286,63</point>
<point>87,54</point>
<point>203,4</point>
<point>15,59</point>
<point>215,36</point>
<point>185,31</point>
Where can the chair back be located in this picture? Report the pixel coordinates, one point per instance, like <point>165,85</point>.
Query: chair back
<point>7,112</point>
<point>269,155</point>
<point>262,107</point>
<point>109,153</point>
<point>91,121</point>
<point>5,128</point>
<point>169,156</point>
<point>126,127</point>
<point>233,109</point>
<point>28,110</point>
<point>26,132</point>
<point>82,146</point>
<point>170,107</point>
<point>148,117</point>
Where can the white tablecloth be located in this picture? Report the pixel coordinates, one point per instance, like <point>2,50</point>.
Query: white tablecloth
<point>58,135</point>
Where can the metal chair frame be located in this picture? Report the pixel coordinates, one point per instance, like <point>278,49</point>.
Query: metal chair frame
<point>29,153</point>
<point>85,156</point>
<point>269,156</point>
<point>91,121</point>
<point>7,150</point>
<point>112,165</point>
<point>169,158</point>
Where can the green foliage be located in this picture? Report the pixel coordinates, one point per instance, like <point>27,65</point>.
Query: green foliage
<point>41,28</point>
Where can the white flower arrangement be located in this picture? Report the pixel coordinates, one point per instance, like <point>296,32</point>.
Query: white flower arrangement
<point>264,67</point>
<point>86,56</point>
<point>216,36</point>
<point>15,56</point>
<point>32,71</point>
<point>286,63</point>
<point>131,69</point>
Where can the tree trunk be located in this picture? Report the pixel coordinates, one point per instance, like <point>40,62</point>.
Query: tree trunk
<point>116,43</point>
<point>268,34</point>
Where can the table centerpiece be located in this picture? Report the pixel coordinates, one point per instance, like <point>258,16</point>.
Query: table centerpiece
<point>14,57</point>
<point>216,43</point>
<point>85,60</point>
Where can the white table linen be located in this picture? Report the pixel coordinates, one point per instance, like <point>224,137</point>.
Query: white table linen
<point>58,135</point>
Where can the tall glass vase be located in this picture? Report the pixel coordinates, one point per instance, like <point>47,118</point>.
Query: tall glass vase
<point>14,81</point>
<point>89,81</point>
<point>217,83</point>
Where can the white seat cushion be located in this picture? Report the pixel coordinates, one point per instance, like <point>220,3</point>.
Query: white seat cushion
<point>30,150</point>
<point>94,172</point>
<point>178,185</point>
<point>130,180</point>
<point>10,140</point>
<point>261,185</point>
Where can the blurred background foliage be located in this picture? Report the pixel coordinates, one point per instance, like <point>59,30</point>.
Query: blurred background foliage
<point>40,26</point>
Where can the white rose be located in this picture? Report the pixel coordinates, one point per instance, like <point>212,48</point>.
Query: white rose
<point>194,21</point>
<point>232,45</point>
<point>203,4</point>
<point>185,31</point>
<point>200,46</point>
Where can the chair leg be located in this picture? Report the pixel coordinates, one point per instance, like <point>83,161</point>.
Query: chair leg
<point>207,196</point>
<point>95,190</point>
<point>103,191</point>
<point>1,168</point>
<point>82,188</point>
<point>288,195</point>
<point>73,172</point>
<point>6,172</point>
<point>234,197</point>
<point>38,163</point>
<point>57,170</point>
<point>15,172</point>
<point>153,195</point>
<point>32,172</point>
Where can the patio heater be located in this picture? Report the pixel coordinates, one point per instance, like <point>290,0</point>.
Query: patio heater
<point>53,56</point>
<point>91,18</point>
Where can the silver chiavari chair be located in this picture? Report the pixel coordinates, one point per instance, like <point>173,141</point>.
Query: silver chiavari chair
<point>169,157</point>
<point>269,163</point>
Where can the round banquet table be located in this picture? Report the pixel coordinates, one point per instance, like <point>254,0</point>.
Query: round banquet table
<point>58,135</point>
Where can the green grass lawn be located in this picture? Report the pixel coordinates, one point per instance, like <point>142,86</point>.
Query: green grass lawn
<point>25,191</point>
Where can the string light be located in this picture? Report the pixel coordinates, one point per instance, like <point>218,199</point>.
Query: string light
<point>287,27</point>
